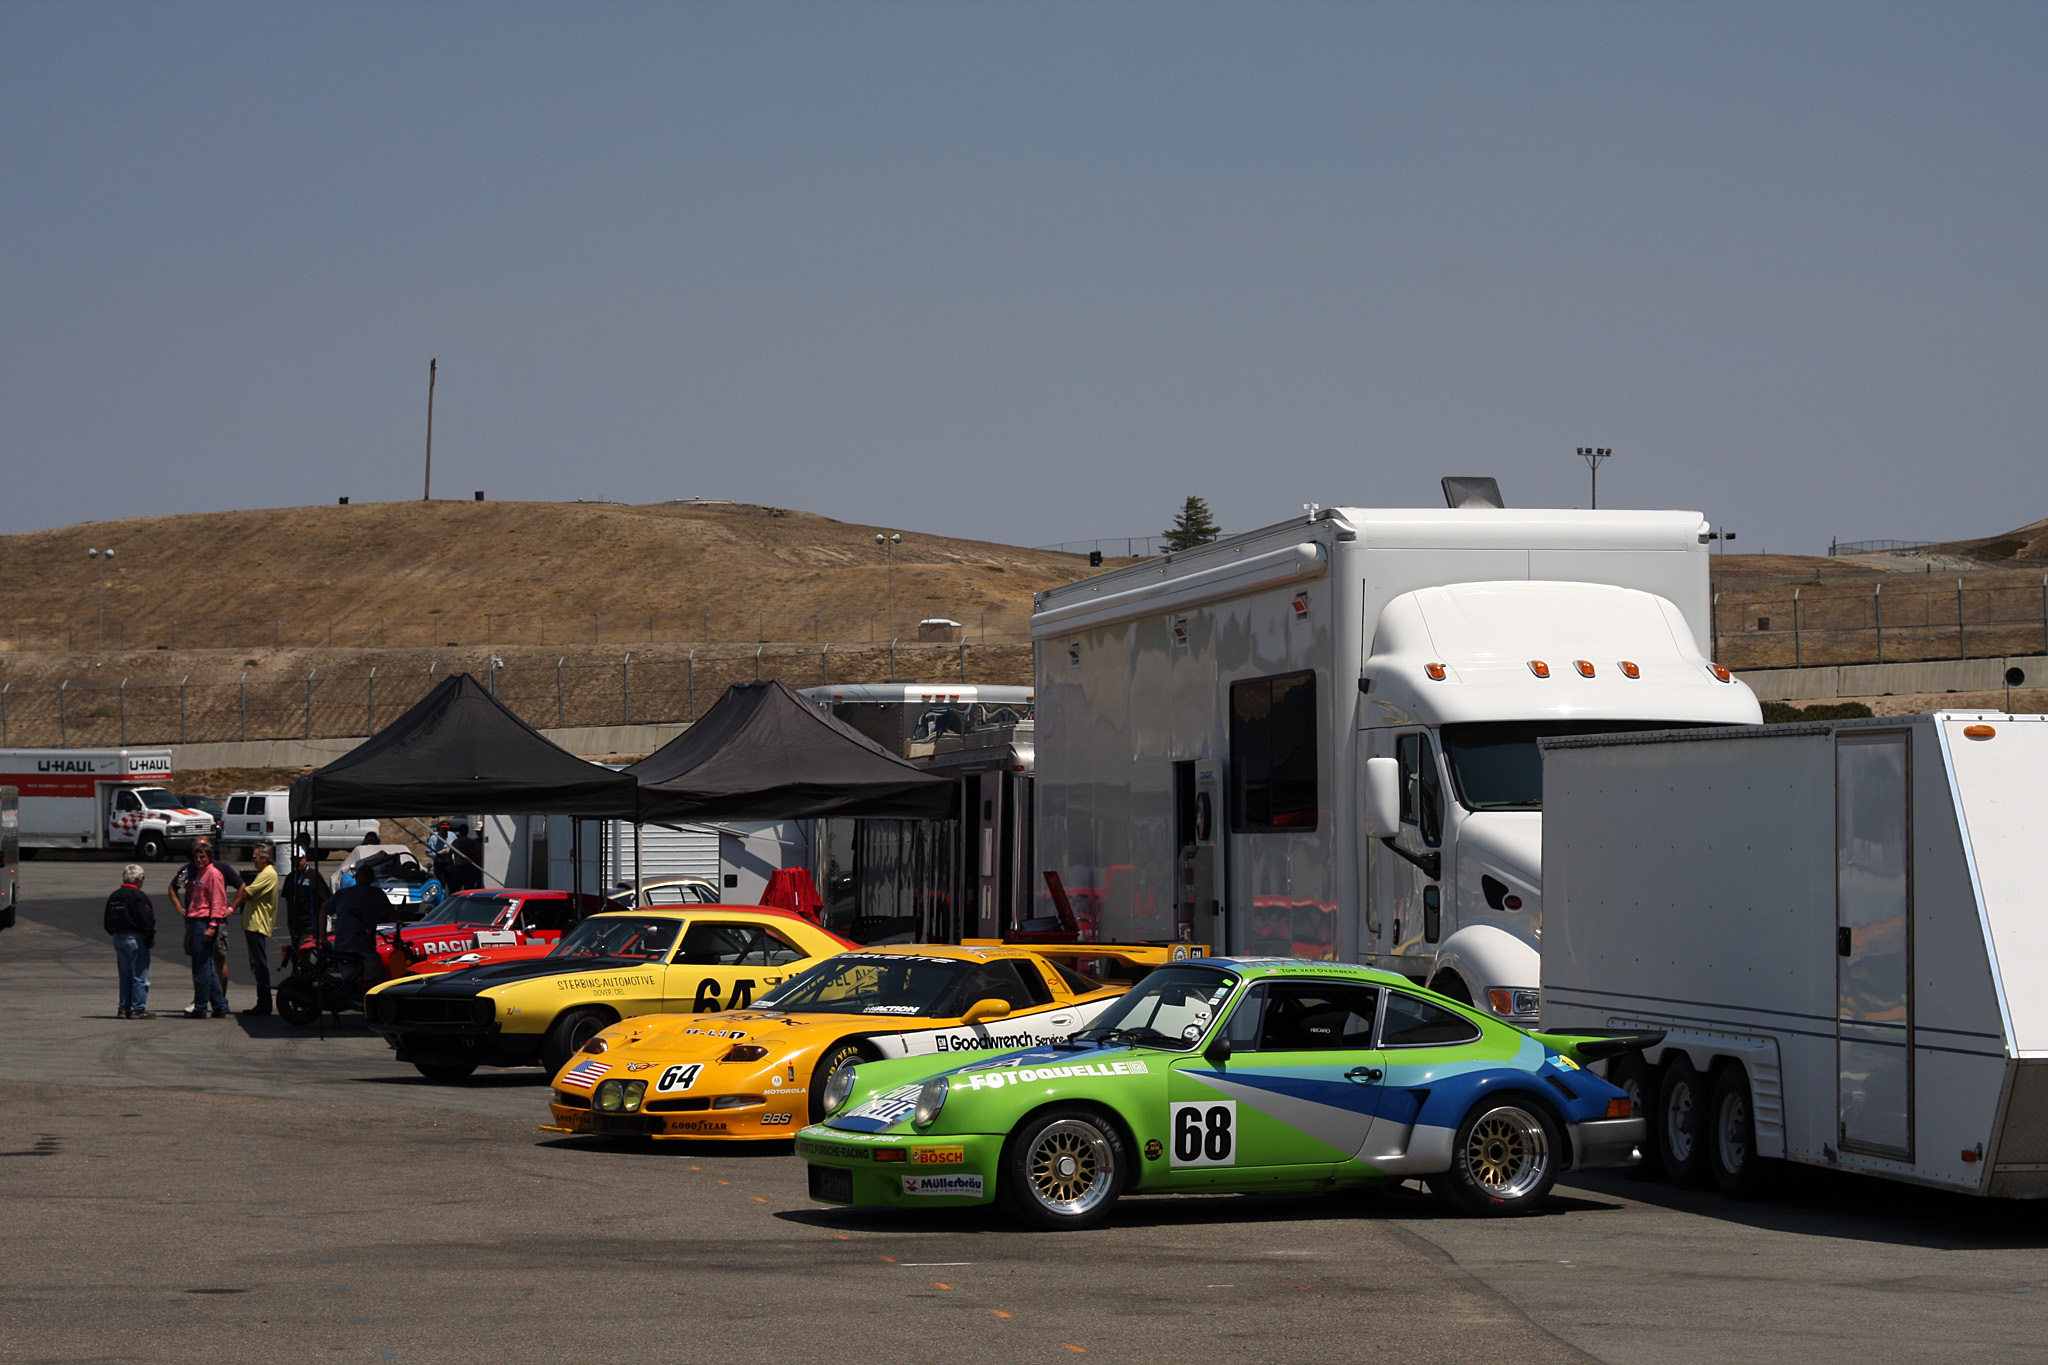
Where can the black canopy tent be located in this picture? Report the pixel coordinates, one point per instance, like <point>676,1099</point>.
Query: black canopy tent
<point>460,749</point>
<point>764,753</point>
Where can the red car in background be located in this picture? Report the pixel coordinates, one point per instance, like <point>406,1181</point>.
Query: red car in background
<point>510,921</point>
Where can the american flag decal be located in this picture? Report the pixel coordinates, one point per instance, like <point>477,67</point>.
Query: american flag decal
<point>589,1073</point>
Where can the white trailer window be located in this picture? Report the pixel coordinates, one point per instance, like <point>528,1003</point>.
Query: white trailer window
<point>1273,754</point>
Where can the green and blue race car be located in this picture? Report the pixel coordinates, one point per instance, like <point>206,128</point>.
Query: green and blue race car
<point>1232,1075</point>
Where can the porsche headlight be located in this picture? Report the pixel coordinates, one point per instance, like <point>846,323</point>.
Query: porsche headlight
<point>930,1100</point>
<point>838,1089</point>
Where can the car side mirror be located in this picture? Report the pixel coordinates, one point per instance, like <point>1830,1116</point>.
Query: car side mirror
<point>986,1009</point>
<point>1382,797</point>
<point>1218,1051</point>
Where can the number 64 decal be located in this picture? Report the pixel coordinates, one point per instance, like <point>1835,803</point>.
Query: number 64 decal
<point>1204,1134</point>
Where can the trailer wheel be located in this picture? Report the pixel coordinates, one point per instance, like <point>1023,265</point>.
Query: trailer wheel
<point>1631,1073</point>
<point>1737,1170</point>
<point>1451,986</point>
<point>1680,1123</point>
<point>1504,1161</point>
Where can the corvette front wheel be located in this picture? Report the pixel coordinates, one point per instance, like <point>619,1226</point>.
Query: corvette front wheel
<point>1504,1161</point>
<point>1063,1170</point>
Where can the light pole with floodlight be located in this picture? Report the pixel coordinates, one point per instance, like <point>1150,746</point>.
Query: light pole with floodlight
<point>102,558</point>
<point>889,544</point>
<point>1593,455</point>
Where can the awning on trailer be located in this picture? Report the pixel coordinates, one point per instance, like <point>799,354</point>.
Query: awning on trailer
<point>764,753</point>
<point>460,750</point>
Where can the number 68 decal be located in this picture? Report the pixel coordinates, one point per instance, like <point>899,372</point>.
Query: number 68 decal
<point>1204,1134</point>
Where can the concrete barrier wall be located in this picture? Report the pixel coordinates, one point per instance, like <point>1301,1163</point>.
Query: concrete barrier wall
<point>587,741</point>
<point>1877,680</point>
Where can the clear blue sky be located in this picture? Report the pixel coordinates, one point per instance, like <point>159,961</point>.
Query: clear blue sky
<point>1031,272</point>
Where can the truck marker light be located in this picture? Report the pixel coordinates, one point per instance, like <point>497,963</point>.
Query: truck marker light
<point>1539,668</point>
<point>1619,1109</point>
<point>1629,670</point>
<point>1978,732</point>
<point>1721,673</point>
<point>1435,671</point>
<point>1585,667</point>
<point>1969,1156</point>
<point>1511,902</point>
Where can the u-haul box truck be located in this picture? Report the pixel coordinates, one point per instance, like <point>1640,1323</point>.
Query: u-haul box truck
<point>1319,738</point>
<point>1839,928</point>
<point>100,798</point>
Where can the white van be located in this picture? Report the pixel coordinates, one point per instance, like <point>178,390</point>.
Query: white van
<point>265,817</point>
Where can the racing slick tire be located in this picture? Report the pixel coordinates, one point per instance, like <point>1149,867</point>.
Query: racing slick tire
<point>1678,1125</point>
<point>1638,1079</point>
<point>149,847</point>
<point>1505,1158</point>
<point>569,1033</point>
<point>445,1073</point>
<point>299,1003</point>
<point>1730,1136</point>
<point>1063,1169</point>
<point>850,1052</point>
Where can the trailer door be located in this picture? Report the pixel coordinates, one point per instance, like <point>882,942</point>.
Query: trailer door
<point>1874,943</point>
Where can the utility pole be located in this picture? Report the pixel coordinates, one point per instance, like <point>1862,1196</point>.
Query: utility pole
<point>427,494</point>
<point>889,544</point>
<point>1593,455</point>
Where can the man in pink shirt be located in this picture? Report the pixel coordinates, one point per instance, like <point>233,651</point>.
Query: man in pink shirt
<point>205,904</point>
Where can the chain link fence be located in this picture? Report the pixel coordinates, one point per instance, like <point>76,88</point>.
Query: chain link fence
<point>547,692</point>
<point>1795,627</point>
<point>437,628</point>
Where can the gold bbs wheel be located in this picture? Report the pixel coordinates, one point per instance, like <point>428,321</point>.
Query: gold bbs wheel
<point>1504,1161</point>
<point>1064,1170</point>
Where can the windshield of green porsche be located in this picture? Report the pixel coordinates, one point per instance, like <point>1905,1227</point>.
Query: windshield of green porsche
<point>646,938</point>
<point>1171,1007</point>
<point>855,983</point>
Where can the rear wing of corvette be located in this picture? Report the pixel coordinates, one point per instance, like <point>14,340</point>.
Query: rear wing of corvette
<point>1110,963</point>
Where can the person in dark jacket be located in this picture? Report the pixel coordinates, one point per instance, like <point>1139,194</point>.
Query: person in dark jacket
<point>305,896</point>
<point>131,920</point>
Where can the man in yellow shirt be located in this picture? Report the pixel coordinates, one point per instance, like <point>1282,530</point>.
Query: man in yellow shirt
<point>257,900</point>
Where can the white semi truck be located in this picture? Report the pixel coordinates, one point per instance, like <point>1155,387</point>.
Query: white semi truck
<point>1320,738</point>
<point>1837,928</point>
<point>101,798</point>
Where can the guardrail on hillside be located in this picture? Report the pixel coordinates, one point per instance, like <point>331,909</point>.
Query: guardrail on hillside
<point>547,694</point>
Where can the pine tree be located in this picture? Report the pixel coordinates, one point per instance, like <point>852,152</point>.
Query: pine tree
<point>1192,527</point>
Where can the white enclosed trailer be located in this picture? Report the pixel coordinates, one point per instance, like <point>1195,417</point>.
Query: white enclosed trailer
<point>1208,721</point>
<point>1839,927</point>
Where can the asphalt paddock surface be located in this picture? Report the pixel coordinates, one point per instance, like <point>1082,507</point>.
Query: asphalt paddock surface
<point>238,1190</point>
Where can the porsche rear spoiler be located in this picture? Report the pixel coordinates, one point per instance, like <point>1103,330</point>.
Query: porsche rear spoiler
<point>1598,1044</point>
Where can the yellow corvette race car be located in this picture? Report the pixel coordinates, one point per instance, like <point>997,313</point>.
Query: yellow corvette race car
<point>762,1072</point>
<point>684,959</point>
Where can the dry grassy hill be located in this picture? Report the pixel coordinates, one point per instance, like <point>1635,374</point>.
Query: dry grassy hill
<point>413,574</point>
<point>1975,598</point>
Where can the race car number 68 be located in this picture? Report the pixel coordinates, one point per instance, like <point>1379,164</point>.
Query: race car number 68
<point>1204,1134</point>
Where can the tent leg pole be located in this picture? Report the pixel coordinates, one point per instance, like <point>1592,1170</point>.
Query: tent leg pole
<point>636,862</point>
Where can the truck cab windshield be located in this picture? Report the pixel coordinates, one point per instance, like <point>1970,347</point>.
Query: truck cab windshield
<point>1495,765</point>
<point>156,798</point>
